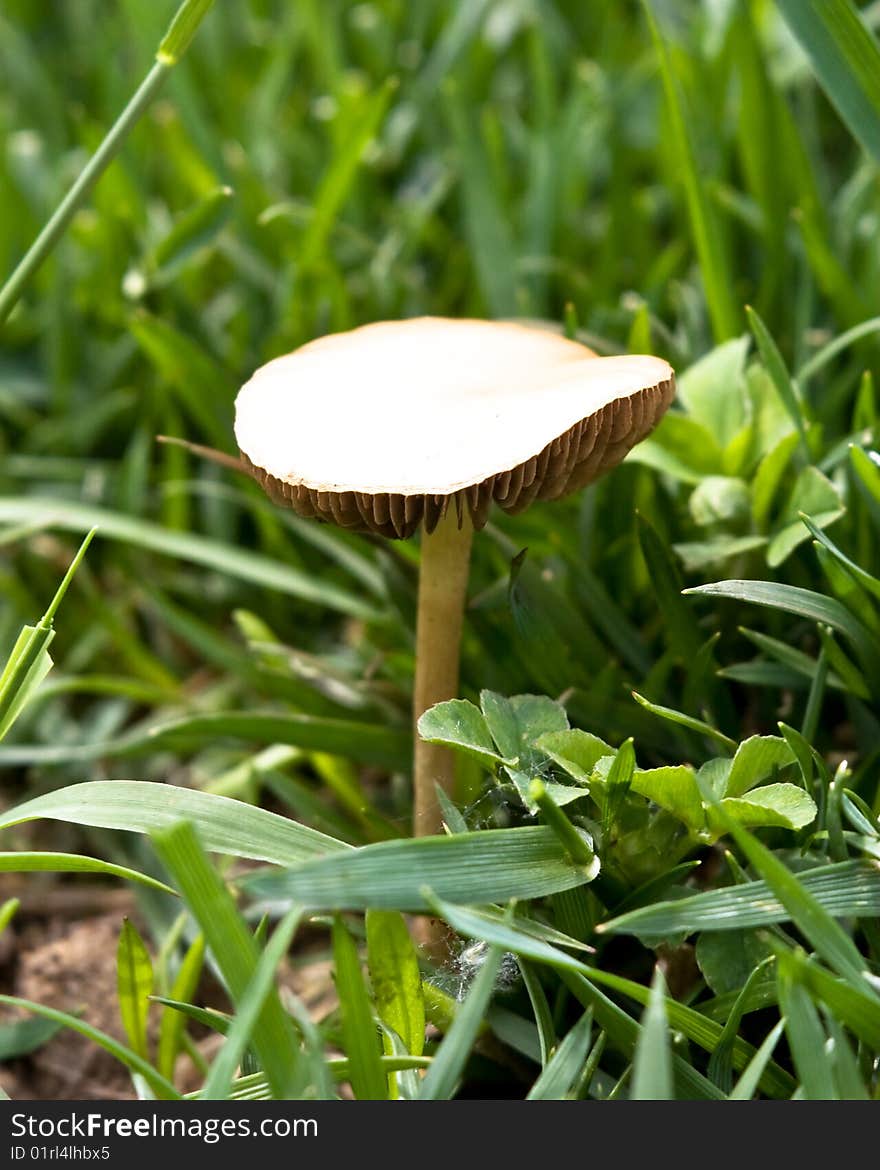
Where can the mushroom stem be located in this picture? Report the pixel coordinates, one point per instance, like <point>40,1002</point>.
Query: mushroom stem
<point>443,580</point>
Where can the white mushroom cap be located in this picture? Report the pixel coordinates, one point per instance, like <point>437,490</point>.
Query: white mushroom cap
<point>380,427</point>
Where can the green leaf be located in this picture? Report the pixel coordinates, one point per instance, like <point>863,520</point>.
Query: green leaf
<point>134,984</point>
<point>768,477</point>
<point>756,758</point>
<point>681,636</point>
<point>704,1032</point>
<point>806,1037</point>
<point>193,230</point>
<point>490,866</point>
<point>395,978</point>
<point>486,221</point>
<point>845,59</point>
<point>576,751</point>
<point>681,447</point>
<point>336,184</point>
<point>865,579</point>
<point>847,888</point>
<point>359,1031</point>
<point>652,1064</point>
<point>675,788</point>
<point>138,806</point>
<point>75,863</point>
<point>29,662</point>
<point>713,393</point>
<point>747,1085</point>
<point>459,724</point>
<point>27,665</point>
<point>784,805</point>
<point>234,951</point>
<point>866,466</point>
<point>807,912</point>
<point>384,747</point>
<point>728,958</point>
<point>21,1037</point>
<point>857,1007</point>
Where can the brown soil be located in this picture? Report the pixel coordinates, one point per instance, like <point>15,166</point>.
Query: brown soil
<point>60,951</point>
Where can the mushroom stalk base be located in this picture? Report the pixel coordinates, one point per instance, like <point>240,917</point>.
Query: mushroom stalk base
<point>443,580</point>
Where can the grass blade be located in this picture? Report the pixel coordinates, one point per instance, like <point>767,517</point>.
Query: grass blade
<point>191,547</point>
<point>562,1072</point>
<point>489,866</point>
<point>163,1089</point>
<point>652,1063</point>
<point>846,61</point>
<point>75,863</point>
<point>234,950</point>
<point>251,1004</point>
<point>224,825</point>
<point>847,888</point>
<point>359,1031</point>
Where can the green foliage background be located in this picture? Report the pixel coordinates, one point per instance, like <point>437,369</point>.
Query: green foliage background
<point>637,174</point>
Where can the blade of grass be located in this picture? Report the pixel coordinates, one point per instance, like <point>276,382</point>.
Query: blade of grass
<point>163,1089</point>
<point>173,46</point>
<point>234,951</point>
<point>359,1031</point>
<point>562,1072</point>
<point>707,234</point>
<point>652,1063</point>
<point>249,1007</point>
<point>75,863</point>
<point>489,866</point>
<point>191,547</point>
<point>846,60</point>
<point>139,806</point>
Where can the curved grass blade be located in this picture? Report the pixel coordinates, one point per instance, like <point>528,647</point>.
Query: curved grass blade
<point>163,1089</point>
<point>174,44</point>
<point>802,602</point>
<point>134,984</point>
<point>747,1085</point>
<point>384,747</point>
<point>190,547</point>
<point>140,806</point>
<point>172,1023</point>
<point>490,866</point>
<point>843,889</point>
<point>75,863</point>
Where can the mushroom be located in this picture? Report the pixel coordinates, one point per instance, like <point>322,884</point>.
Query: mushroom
<point>427,422</point>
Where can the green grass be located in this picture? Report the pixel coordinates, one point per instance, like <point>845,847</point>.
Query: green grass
<point>701,628</point>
